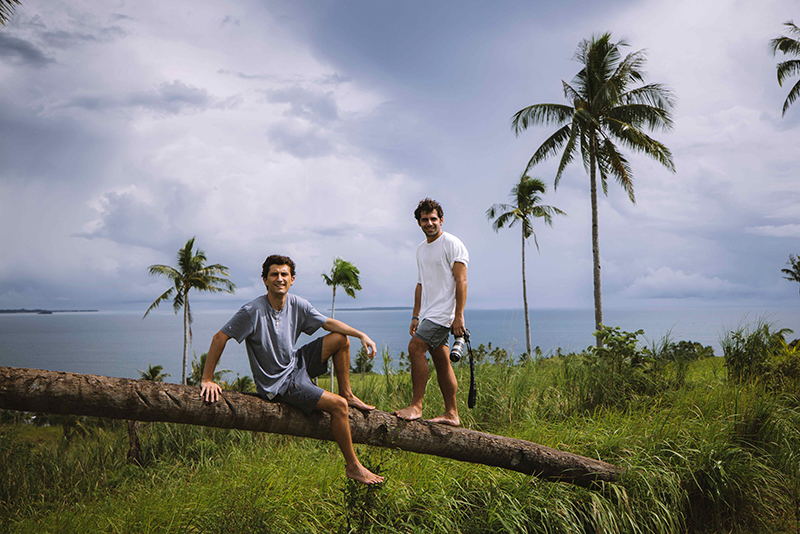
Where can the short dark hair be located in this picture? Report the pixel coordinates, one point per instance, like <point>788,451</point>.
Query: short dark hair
<point>277,259</point>
<point>427,205</point>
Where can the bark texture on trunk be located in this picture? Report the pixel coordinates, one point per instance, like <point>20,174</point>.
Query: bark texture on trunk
<point>142,400</point>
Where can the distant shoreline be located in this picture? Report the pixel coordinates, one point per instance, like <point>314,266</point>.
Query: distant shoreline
<point>376,308</point>
<point>46,312</point>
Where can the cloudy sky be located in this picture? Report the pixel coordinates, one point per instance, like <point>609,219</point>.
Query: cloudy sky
<point>313,128</point>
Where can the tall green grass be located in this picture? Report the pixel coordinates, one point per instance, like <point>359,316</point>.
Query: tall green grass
<point>703,453</point>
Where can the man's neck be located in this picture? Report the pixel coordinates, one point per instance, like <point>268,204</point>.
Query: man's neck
<point>434,238</point>
<point>277,301</point>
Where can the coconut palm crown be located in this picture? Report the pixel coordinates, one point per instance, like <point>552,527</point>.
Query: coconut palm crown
<point>609,108</point>
<point>790,46</point>
<point>191,273</point>
<point>344,274</point>
<point>793,274</point>
<point>525,206</point>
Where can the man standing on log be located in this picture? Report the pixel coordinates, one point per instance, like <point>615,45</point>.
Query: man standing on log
<point>439,300</point>
<point>270,326</point>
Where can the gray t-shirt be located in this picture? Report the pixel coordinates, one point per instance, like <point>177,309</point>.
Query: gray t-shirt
<point>270,336</point>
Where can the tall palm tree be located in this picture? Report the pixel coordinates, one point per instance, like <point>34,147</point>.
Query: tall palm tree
<point>793,274</point>
<point>789,45</point>
<point>605,112</point>
<point>7,9</point>
<point>344,274</point>
<point>191,273</point>
<point>526,196</point>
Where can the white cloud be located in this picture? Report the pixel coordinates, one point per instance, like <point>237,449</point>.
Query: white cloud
<point>666,283</point>
<point>785,230</point>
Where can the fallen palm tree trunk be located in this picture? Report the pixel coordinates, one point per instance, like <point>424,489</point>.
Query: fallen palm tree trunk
<point>140,400</point>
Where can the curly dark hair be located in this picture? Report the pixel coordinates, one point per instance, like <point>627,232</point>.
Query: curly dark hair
<point>277,259</point>
<point>427,205</point>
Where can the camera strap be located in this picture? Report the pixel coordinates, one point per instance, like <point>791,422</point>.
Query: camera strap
<point>473,388</point>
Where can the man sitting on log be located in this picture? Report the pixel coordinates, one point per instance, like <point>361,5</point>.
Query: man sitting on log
<point>270,326</point>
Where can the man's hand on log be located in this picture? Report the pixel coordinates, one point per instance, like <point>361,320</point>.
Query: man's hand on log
<point>210,391</point>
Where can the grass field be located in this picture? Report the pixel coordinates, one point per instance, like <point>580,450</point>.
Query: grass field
<point>702,452</point>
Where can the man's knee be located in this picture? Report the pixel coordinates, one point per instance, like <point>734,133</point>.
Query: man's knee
<point>333,343</point>
<point>339,408</point>
<point>417,346</point>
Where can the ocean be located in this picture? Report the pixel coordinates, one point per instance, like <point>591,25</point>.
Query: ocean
<point>121,343</point>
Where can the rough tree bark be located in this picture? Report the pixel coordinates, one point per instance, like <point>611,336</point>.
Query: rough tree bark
<point>142,400</point>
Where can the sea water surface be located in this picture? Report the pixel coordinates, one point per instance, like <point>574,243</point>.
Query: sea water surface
<point>122,344</point>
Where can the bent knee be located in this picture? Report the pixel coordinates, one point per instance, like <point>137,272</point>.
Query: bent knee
<point>338,341</point>
<point>340,408</point>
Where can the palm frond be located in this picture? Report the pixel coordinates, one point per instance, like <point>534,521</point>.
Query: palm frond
<point>793,95</point>
<point>786,44</point>
<point>164,296</point>
<point>164,270</point>
<point>7,9</point>
<point>641,115</point>
<point>618,167</point>
<point>787,69</point>
<point>550,146</point>
<point>540,114</point>
<point>637,140</point>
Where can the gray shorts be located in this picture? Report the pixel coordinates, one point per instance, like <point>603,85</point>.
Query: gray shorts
<point>435,335</point>
<point>301,391</point>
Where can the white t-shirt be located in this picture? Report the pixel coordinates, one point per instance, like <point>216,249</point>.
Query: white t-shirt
<point>435,272</point>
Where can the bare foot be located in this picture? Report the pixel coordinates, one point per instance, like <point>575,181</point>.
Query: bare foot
<point>359,473</point>
<point>447,420</point>
<point>411,413</point>
<point>358,404</point>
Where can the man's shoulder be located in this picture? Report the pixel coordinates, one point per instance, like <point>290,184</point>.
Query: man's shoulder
<point>450,238</point>
<point>294,299</point>
<point>298,302</point>
<point>258,303</point>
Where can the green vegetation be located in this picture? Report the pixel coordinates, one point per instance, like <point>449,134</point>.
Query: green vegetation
<point>526,206</point>
<point>707,447</point>
<point>790,46</point>
<point>191,273</point>
<point>607,110</point>
<point>793,274</point>
<point>344,274</point>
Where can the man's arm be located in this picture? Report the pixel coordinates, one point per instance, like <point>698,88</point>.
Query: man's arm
<point>208,389</point>
<point>417,306</point>
<point>338,327</point>
<point>460,275</point>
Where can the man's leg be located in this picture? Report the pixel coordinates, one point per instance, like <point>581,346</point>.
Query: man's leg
<point>340,427</point>
<point>448,384</point>
<point>337,347</point>
<point>419,379</point>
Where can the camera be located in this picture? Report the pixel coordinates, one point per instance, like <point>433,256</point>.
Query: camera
<point>458,347</point>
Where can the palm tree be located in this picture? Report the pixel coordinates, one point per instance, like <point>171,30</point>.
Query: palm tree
<point>793,274</point>
<point>196,376</point>
<point>7,9</point>
<point>243,384</point>
<point>153,373</point>
<point>525,206</point>
<point>789,46</point>
<point>191,273</point>
<point>344,274</point>
<point>605,111</point>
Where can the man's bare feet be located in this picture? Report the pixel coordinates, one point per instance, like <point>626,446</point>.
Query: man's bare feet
<point>357,403</point>
<point>411,413</point>
<point>359,473</point>
<point>446,419</point>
